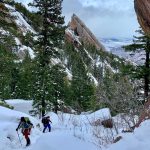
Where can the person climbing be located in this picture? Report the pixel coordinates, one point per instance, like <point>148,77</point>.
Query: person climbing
<point>26,125</point>
<point>46,123</point>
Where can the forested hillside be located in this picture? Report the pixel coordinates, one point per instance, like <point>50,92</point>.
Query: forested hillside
<point>59,73</point>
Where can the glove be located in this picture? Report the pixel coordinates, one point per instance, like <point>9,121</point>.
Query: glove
<point>17,129</point>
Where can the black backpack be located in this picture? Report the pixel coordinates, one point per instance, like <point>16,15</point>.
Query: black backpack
<point>44,120</point>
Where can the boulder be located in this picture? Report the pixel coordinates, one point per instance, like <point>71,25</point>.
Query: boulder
<point>107,123</point>
<point>142,9</point>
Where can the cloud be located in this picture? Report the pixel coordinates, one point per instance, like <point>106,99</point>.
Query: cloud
<point>106,18</point>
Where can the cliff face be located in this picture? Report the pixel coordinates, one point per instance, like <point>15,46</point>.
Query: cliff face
<point>142,8</point>
<point>82,33</point>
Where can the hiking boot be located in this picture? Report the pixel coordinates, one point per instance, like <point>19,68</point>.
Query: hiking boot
<point>28,142</point>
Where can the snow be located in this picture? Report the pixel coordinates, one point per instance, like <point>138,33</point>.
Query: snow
<point>29,49</point>
<point>66,128</point>
<point>23,48</point>
<point>20,21</point>
<point>23,26</point>
<point>74,37</point>
<point>61,141</point>
<point>3,32</point>
<point>69,131</point>
<point>9,120</point>
<point>139,140</point>
<point>20,105</point>
<point>93,79</point>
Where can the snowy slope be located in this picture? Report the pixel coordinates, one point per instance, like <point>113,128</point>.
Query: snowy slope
<point>9,139</point>
<point>9,120</point>
<point>61,141</point>
<point>20,21</point>
<point>21,105</point>
<point>69,132</point>
<point>139,140</point>
<point>24,27</point>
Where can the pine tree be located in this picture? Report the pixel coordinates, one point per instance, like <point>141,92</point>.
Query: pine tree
<point>7,63</point>
<point>58,93</point>
<point>24,78</point>
<point>49,43</point>
<point>82,88</point>
<point>141,46</point>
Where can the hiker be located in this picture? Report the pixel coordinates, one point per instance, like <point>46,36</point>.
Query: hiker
<point>46,123</point>
<point>26,126</point>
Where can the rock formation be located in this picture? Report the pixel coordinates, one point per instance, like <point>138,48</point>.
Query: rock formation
<point>142,8</point>
<point>78,31</point>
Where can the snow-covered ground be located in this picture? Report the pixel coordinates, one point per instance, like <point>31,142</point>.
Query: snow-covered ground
<point>9,120</point>
<point>21,105</point>
<point>69,132</point>
<point>139,140</point>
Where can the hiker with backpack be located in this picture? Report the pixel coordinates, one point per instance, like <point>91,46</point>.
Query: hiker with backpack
<point>46,123</point>
<point>26,126</point>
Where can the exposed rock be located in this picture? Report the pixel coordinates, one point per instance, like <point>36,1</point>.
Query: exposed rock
<point>142,8</point>
<point>117,139</point>
<point>79,29</point>
<point>107,123</point>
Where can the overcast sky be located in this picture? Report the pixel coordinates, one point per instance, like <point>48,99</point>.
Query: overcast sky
<point>105,18</point>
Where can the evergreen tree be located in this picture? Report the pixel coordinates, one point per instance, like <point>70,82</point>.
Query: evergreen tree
<point>141,46</point>
<point>58,90</point>
<point>7,63</point>
<point>24,78</point>
<point>82,88</point>
<point>50,40</point>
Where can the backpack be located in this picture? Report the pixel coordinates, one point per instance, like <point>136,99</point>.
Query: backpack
<point>27,124</point>
<point>44,120</point>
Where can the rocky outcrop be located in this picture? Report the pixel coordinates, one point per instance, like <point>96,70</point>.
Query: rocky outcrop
<point>81,33</point>
<point>108,123</point>
<point>142,8</point>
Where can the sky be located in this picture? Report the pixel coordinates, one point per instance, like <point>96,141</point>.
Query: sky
<point>105,18</point>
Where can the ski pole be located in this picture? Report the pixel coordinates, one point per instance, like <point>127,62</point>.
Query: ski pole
<point>19,138</point>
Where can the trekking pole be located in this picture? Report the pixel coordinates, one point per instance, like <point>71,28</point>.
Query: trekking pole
<point>19,138</point>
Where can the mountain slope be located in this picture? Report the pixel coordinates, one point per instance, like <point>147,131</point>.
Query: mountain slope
<point>70,131</point>
<point>63,131</point>
<point>76,32</point>
<point>85,60</point>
